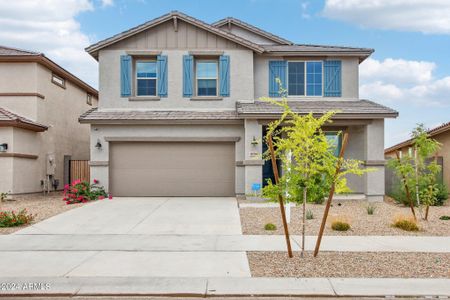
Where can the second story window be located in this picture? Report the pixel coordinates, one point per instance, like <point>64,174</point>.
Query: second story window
<point>206,77</point>
<point>305,78</point>
<point>146,77</point>
<point>58,81</point>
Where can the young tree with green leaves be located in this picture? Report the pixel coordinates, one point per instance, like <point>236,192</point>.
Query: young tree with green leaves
<point>418,174</point>
<point>309,169</point>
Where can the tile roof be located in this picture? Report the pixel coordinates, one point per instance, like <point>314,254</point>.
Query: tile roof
<point>13,119</point>
<point>146,115</point>
<point>432,132</point>
<point>252,28</point>
<point>312,48</point>
<point>345,108</point>
<point>94,48</point>
<point>9,51</point>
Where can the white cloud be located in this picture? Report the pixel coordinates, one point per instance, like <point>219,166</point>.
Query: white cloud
<point>407,82</point>
<point>49,26</point>
<point>427,16</point>
<point>107,3</point>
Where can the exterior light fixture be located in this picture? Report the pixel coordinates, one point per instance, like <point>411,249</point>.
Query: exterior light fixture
<point>3,147</point>
<point>255,141</point>
<point>98,145</point>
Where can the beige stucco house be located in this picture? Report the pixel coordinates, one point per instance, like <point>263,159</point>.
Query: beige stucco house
<point>40,103</point>
<point>179,113</point>
<point>440,134</point>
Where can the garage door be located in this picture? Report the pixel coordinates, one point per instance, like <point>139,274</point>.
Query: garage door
<point>172,169</point>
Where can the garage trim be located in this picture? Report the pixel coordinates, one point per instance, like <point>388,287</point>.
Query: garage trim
<point>172,139</point>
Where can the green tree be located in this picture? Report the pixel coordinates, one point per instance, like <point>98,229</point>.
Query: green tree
<point>420,175</point>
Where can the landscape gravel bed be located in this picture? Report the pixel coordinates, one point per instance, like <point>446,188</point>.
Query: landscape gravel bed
<point>40,205</point>
<point>350,264</point>
<point>355,211</point>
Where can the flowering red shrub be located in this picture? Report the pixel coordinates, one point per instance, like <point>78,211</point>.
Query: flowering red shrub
<point>82,192</point>
<point>11,219</point>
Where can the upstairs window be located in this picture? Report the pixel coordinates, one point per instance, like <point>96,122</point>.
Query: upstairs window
<point>89,99</point>
<point>305,78</point>
<point>146,77</point>
<point>206,77</point>
<point>59,81</point>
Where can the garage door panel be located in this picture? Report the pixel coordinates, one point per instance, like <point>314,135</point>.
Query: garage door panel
<point>172,169</point>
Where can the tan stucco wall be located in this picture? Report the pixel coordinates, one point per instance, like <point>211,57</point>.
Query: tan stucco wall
<point>59,110</point>
<point>6,163</point>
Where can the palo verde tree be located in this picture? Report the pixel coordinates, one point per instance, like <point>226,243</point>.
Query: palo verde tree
<point>419,175</point>
<point>307,158</point>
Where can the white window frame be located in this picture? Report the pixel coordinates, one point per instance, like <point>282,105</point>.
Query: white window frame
<point>56,79</point>
<point>306,83</point>
<point>136,77</point>
<point>207,78</point>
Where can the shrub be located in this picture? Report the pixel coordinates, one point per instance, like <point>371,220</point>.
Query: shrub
<point>11,219</point>
<point>309,214</point>
<point>405,223</point>
<point>3,196</point>
<point>370,209</point>
<point>82,192</point>
<point>340,225</point>
<point>270,226</point>
<point>442,194</point>
<point>399,195</point>
<point>444,218</point>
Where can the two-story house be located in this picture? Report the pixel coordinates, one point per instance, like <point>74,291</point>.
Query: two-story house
<point>179,113</point>
<point>40,103</point>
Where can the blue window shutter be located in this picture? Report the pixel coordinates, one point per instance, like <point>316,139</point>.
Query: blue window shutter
<point>277,69</point>
<point>333,78</point>
<point>188,75</point>
<point>224,75</point>
<point>162,75</point>
<point>125,75</point>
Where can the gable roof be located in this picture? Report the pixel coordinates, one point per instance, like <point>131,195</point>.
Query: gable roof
<point>432,132</point>
<point>9,54</point>
<point>251,28</point>
<point>94,48</point>
<point>8,118</point>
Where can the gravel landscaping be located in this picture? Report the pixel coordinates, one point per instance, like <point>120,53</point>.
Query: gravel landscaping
<point>43,207</point>
<point>350,264</point>
<point>355,211</point>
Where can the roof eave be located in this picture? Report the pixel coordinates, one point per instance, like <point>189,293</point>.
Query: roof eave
<point>363,55</point>
<point>94,48</point>
<point>23,125</point>
<point>352,116</point>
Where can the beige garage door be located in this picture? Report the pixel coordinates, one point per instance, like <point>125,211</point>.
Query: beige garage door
<point>172,169</point>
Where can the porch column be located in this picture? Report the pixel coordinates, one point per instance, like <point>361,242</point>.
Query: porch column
<point>374,148</point>
<point>99,161</point>
<point>253,155</point>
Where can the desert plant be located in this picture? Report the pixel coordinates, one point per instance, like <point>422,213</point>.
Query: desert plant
<point>405,223</point>
<point>370,209</point>
<point>340,224</point>
<point>82,192</point>
<point>270,226</point>
<point>3,196</point>
<point>12,219</point>
<point>309,214</point>
<point>444,218</point>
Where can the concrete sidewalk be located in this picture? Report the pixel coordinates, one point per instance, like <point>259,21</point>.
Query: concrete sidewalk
<point>218,243</point>
<point>204,287</point>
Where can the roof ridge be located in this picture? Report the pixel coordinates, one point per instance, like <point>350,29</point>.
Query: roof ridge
<point>253,28</point>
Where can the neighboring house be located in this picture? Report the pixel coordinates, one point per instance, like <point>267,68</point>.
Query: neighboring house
<point>40,103</point>
<point>440,134</point>
<point>179,113</point>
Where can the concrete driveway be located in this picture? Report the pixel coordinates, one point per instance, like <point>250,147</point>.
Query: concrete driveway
<point>180,215</point>
<point>126,234</point>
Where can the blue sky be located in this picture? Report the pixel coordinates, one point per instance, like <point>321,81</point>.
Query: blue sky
<point>409,71</point>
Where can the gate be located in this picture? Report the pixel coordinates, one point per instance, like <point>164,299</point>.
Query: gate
<point>79,169</point>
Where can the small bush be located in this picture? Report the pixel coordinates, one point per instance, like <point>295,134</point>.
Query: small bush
<point>11,219</point>
<point>3,196</point>
<point>82,192</point>
<point>444,218</point>
<point>309,215</point>
<point>399,195</point>
<point>270,226</point>
<point>370,209</point>
<point>340,225</point>
<point>405,223</point>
